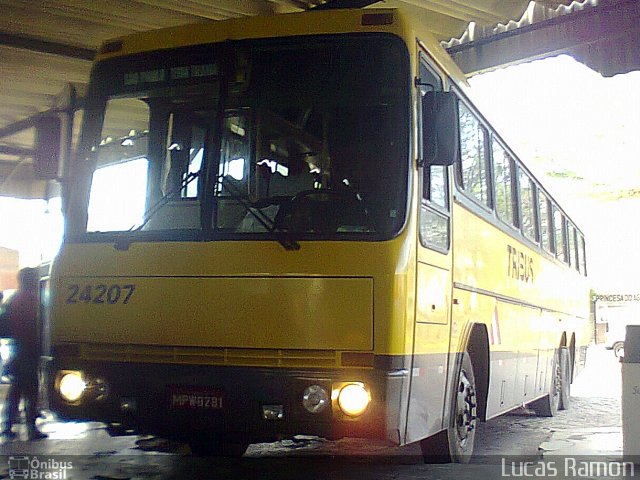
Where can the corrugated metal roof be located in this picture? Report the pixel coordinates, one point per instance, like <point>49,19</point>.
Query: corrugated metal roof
<point>534,13</point>
<point>602,34</point>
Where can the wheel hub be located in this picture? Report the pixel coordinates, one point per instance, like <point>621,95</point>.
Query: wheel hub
<point>466,409</point>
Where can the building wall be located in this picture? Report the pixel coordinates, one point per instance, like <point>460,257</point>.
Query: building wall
<point>9,264</point>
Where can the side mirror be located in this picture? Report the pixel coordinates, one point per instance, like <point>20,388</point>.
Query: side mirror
<point>440,129</point>
<point>46,158</point>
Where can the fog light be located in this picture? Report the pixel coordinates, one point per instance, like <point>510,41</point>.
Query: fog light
<point>128,405</point>
<point>272,412</point>
<point>353,399</point>
<point>98,389</point>
<point>315,399</point>
<point>71,386</point>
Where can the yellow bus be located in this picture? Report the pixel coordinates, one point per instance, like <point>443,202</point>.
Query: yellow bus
<point>300,224</point>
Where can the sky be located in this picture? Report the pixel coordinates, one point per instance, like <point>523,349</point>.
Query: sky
<point>578,133</point>
<point>574,129</point>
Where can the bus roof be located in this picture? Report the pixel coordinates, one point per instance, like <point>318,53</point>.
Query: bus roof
<point>313,22</point>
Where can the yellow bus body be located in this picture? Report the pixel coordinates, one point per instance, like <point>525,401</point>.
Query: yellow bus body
<point>393,306</point>
<point>214,294</point>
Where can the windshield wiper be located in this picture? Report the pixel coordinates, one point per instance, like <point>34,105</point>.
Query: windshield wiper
<point>156,207</point>
<point>123,243</point>
<point>282,237</point>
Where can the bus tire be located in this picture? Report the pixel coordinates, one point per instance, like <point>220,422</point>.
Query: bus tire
<point>456,443</point>
<point>548,405</point>
<point>208,445</point>
<point>618,349</point>
<point>565,374</point>
<point>435,449</point>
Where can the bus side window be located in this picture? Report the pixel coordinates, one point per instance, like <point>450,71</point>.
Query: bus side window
<point>559,232</point>
<point>527,206</point>
<point>503,183</point>
<point>473,157</point>
<point>573,255</point>
<point>428,81</point>
<point>582,262</point>
<point>434,208</point>
<point>546,239</point>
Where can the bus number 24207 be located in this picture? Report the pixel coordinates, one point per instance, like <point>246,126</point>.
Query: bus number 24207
<point>100,293</point>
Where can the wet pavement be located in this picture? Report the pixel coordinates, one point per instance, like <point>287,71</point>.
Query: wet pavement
<point>589,432</point>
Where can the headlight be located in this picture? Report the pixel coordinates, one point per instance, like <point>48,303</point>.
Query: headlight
<point>353,399</point>
<point>71,386</point>
<point>315,399</point>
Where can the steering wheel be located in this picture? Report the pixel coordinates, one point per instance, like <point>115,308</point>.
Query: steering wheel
<point>319,210</point>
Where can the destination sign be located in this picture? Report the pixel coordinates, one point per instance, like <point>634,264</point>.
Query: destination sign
<point>617,297</point>
<point>161,75</point>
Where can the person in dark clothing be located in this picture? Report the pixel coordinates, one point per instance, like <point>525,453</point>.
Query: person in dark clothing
<point>23,321</point>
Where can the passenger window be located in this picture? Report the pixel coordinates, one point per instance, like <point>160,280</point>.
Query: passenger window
<point>572,247</point>
<point>527,206</point>
<point>429,81</point>
<point>559,234</point>
<point>545,232</point>
<point>582,263</point>
<point>473,157</point>
<point>502,164</point>
<point>437,191</point>
<point>434,209</point>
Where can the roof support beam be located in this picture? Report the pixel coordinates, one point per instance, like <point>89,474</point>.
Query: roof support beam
<point>20,125</point>
<point>44,46</point>
<point>15,151</point>
<point>68,102</point>
<point>329,4</point>
<point>27,189</point>
<point>594,36</point>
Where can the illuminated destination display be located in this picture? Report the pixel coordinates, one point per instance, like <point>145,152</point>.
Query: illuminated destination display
<point>175,73</point>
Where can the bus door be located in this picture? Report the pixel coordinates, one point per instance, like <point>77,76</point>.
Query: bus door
<point>433,291</point>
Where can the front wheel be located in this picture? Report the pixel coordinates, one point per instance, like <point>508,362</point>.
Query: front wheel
<point>456,443</point>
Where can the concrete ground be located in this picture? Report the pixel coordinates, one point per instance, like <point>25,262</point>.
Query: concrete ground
<point>589,431</point>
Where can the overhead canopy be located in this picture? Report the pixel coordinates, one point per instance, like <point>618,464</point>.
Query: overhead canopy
<point>46,46</point>
<point>602,34</point>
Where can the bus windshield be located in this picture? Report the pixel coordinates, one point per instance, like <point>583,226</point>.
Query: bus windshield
<point>248,139</point>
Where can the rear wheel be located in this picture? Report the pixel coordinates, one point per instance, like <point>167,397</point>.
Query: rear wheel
<point>618,349</point>
<point>565,380</point>
<point>548,405</point>
<point>456,443</point>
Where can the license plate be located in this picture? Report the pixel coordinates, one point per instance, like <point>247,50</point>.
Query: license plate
<point>196,398</point>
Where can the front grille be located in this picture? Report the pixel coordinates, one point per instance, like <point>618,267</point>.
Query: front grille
<point>253,357</point>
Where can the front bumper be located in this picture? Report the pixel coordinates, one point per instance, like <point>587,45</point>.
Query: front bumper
<point>141,397</point>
